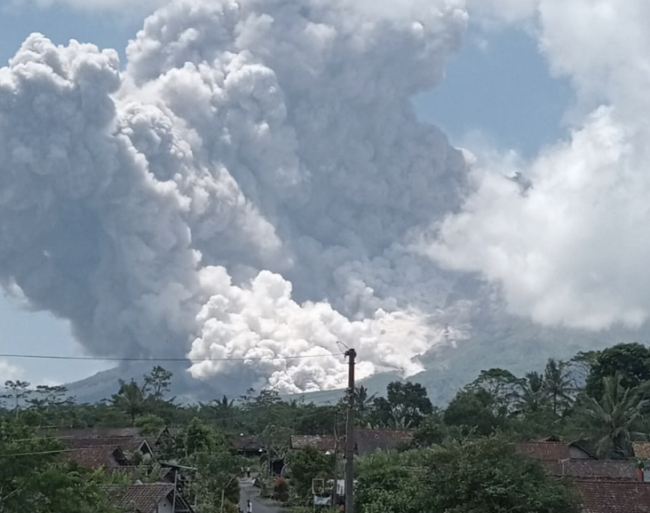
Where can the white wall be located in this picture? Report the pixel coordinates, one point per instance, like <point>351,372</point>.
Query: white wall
<point>164,506</point>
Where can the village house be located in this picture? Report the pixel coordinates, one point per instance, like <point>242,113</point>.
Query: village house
<point>373,440</point>
<point>604,486</point>
<point>367,441</point>
<point>322,443</point>
<point>97,456</point>
<point>148,498</point>
<point>594,469</point>
<point>613,496</point>
<point>129,439</point>
<point>109,449</point>
<point>552,449</point>
<point>247,446</point>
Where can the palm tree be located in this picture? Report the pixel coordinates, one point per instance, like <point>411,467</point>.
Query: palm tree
<point>532,393</point>
<point>613,416</point>
<point>558,384</point>
<point>223,410</point>
<point>363,400</point>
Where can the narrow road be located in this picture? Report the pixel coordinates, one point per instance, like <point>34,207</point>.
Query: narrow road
<point>248,491</point>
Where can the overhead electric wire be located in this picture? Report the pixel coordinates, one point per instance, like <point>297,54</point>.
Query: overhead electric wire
<point>162,359</point>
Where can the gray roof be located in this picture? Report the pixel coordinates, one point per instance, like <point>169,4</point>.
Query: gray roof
<point>143,498</point>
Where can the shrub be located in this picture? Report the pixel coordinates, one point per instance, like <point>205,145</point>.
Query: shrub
<point>281,490</point>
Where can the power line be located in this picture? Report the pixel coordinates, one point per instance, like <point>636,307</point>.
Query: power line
<point>108,359</point>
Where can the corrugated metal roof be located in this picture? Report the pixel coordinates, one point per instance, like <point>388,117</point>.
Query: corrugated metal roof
<point>322,443</point>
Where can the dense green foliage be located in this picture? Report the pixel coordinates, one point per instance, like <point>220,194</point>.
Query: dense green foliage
<point>306,465</point>
<point>460,460</point>
<point>488,477</point>
<point>484,476</point>
<point>34,478</point>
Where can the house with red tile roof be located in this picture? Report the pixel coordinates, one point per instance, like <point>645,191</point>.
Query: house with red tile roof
<point>129,439</point>
<point>613,496</point>
<point>95,457</point>
<point>593,469</point>
<point>554,450</point>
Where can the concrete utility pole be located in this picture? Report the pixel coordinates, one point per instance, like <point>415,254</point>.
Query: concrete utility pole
<point>349,438</point>
<point>336,463</point>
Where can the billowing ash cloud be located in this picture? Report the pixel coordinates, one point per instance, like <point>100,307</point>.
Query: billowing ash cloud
<point>249,187</point>
<point>573,248</point>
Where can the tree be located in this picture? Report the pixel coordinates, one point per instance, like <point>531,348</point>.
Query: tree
<point>489,476</point>
<point>216,479</point>
<point>157,383</point>
<point>630,361</point>
<point>502,386</point>
<point>201,438</point>
<point>18,393</point>
<point>149,425</point>
<point>431,431</point>
<point>532,393</point>
<point>223,411</point>
<point>406,404</point>
<point>473,409</point>
<point>130,399</point>
<point>581,364</point>
<point>277,442</point>
<point>363,400</point>
<point>305,465</point>
<point>558,385</point>
<point>387,484</point>
<point>612,417</point>
<point>32,477</point>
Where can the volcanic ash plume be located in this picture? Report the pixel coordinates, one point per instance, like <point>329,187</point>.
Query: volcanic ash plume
<point>247,188</point>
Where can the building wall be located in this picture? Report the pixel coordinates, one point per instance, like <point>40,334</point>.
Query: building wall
<point>578,454</point>
<point>165,506</point>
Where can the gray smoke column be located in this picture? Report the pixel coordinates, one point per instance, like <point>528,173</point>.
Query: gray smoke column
<point>248,187</point>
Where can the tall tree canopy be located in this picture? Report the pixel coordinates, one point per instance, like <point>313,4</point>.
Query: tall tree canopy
<point>630,361</point>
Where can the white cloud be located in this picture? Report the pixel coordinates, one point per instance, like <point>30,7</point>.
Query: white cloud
<point>491,14</point>
<point>134,7</point>
<point>573,249</point>
<point>9,372</point>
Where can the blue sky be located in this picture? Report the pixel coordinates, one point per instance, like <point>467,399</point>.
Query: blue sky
<point>498,88</point>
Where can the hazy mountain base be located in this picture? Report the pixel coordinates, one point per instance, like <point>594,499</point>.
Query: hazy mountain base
<point>508,342</point>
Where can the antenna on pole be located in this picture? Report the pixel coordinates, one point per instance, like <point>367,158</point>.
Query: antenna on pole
<point>351,354</point>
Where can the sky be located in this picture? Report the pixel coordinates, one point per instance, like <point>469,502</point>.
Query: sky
<point>498,92</point>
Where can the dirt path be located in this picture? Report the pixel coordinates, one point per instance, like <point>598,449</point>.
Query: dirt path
<point>248,491</point>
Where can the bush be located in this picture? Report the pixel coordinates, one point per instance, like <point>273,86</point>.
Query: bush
<point>281,490</point>
<point>301,509</point>
<point>266,488</point>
